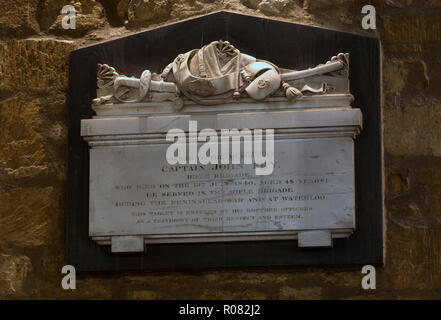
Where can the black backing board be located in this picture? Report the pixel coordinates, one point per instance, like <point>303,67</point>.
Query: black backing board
<point>285,44</point>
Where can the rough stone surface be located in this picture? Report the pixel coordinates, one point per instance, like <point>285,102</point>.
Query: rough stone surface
<point>146,12</point>
<point>115,11</point>
<point>413,130</point>
<point>413,187</point>
<point>321,4</point>
<point>273,7</point>
<point>34,65</point>
<point>89,15</point>
<point>267,7</point>
<point>413,26</point>
<point>30,216</point>
<point>33,148</point>
<point>13,273</point>
<point>251,3</point>
<point>18,18</point>
<point>304,293</point>
<point>182,9</point>
<point>21,146</point>
<point>146,295</point>
<point>50,10</point>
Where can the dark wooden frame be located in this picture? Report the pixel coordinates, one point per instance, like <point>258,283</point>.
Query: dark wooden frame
<point>285,44</point>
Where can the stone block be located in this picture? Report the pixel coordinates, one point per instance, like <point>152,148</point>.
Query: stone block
<point>18,18</point>
<point>34,65</point>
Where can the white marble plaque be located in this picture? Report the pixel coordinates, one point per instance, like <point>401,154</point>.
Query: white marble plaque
<point>135,195</point>
<point>135,191</point>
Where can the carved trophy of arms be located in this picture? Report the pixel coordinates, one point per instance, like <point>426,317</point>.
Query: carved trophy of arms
<point>219,73</point>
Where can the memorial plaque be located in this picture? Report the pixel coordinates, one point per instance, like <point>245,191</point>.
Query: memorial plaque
<point>215,148</point>
<point>134,191</point>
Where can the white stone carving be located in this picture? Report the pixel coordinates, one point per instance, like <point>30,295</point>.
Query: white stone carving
<point>219,73</point>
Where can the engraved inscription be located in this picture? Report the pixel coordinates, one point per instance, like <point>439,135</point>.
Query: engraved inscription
<point>312,186</point>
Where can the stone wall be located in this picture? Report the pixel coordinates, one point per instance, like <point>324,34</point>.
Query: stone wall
<point>34,52</point>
